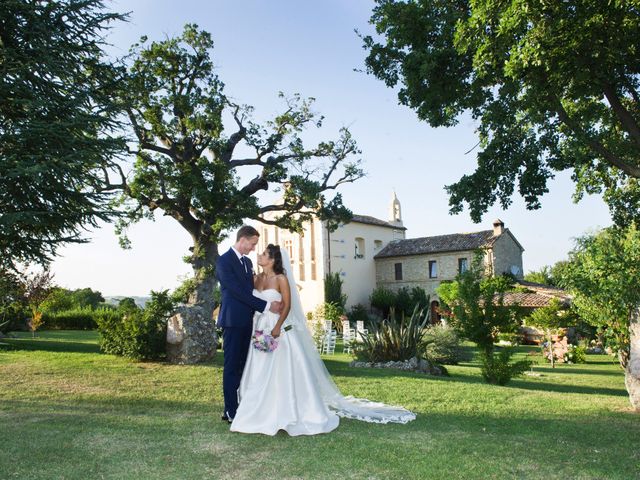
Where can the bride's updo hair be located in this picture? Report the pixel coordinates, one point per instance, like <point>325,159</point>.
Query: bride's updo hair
<point>274,253</point>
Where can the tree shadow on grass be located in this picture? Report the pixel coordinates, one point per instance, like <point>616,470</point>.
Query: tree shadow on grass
<point>563,388</point>
<point>570,370</point>
<point>35,344</point>
<point>338,369</point>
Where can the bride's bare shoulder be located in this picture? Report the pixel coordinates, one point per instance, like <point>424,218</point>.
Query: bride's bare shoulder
<point>282,280</point>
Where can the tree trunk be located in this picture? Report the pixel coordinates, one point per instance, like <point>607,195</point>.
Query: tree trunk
<point>191,332</point>
<point>632,370</point>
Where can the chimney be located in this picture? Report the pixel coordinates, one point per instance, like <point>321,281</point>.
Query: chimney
<point>498,227</point>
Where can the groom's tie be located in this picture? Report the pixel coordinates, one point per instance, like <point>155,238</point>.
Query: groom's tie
<point>243,259</point>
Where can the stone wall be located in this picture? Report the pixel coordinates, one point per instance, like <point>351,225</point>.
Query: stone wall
<point>507,253</point>
<point>415,270</point>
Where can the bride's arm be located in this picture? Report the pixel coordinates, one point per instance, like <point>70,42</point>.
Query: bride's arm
<point>283,284</point>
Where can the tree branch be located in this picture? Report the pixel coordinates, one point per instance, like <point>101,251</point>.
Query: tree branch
<point>626,119</point>
<point>161,176</point>
<point>258,183</point>
<point>632,91</point>
<point>227,151</point>
<point>246,161</point>
<point>155,148</point>
<point>594,145</point>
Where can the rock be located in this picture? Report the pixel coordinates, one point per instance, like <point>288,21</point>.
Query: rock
<point>414,364</point>
<point>191,338</point>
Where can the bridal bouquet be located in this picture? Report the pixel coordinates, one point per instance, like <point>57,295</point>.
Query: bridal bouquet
<point>265,342</point>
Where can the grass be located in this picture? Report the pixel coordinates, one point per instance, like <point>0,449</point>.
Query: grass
<point>69,412</point>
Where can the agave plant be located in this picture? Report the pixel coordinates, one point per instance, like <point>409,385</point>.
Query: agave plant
<point>394,339</point>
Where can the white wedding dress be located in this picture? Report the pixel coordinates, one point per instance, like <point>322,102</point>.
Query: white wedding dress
<point>277,391</point>
<point>290,388</point>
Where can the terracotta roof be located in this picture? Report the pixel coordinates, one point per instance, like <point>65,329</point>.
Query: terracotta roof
<point>537,295</point>
<point>375,221</point>
<point>527,299</point>
<point>441,243</point>
<point>541,288</point>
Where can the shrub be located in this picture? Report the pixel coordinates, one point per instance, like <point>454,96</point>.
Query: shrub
<point>393,339</point>
<point>498,369</point>
<point>329,311</point>
<point>358,312</point>
<point>575,354</point>
<point>333,290</point>
<point>442,345</point>
<point>419,298</point>
<point>138,334</point>
<point>383,299</point>
<point>75,319</point>
<point>511,338</point>
<point>403,303</point>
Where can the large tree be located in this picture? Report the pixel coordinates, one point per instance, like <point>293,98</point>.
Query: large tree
<point>604,274</point>
<point>207,176</point>
<point>553,85</point>
<point>56,125</point>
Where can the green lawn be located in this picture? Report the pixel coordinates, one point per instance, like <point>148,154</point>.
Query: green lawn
<point>69,412</point>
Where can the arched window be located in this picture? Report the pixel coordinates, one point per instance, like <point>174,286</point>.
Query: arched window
<point>359,248</point>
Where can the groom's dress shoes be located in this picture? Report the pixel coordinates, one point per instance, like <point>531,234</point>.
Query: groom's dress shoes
<point>226,417</point>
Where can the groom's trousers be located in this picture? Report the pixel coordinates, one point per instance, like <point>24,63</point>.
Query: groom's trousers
<point>235,343</point>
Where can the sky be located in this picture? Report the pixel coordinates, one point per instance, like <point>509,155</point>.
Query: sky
<point>263,47</point>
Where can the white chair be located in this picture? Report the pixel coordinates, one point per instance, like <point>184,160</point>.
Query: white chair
<point>360,331</point>
<point>348,336</point>
<point>327,325</point>
<point>329,343</point>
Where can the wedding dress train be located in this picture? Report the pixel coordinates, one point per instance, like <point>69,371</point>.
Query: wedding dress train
<point>290,388</point>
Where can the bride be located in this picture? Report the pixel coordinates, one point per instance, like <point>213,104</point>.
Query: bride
<point>290,388</point>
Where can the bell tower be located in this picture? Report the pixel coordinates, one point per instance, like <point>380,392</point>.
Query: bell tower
<point>395,211</point>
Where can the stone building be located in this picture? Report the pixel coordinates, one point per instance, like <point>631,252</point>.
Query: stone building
<point>426,262</point>
<point>369,252</point>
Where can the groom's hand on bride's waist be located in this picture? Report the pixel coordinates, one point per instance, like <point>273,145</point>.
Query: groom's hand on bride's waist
<point>275,307</point>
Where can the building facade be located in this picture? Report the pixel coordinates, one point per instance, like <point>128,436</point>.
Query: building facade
<point>428,261</point>
<point>369,252</point>
<point>349,251</point>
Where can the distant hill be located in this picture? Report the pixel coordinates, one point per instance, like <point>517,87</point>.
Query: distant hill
<point>140,301</point>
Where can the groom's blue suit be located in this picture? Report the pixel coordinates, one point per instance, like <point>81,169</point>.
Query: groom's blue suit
<point>236,320</point>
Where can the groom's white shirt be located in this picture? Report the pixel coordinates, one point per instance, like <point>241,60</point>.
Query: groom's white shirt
<point>239,255</point>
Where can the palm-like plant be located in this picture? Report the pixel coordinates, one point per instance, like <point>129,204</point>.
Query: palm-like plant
<point>394,339</point>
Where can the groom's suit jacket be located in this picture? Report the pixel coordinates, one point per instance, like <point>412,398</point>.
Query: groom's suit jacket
<point>236,286</point>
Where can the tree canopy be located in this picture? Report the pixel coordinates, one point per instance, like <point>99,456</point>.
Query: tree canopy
<point>187,164</point>
<point>553,86</point>
<point>603,276</point>
<point>57,125</point>
<point>201,159</point>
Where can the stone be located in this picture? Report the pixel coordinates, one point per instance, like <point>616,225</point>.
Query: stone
<point>414,365</point>
<point>191,338</point>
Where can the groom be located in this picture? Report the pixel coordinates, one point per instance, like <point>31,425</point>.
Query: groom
<point>235,274</point>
